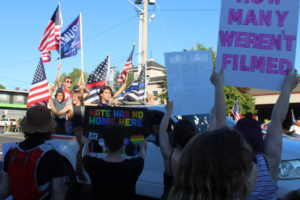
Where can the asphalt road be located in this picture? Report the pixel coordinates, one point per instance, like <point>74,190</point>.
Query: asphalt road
<point>86,191</point>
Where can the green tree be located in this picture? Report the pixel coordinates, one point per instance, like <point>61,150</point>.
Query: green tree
<point>2,86</point>
<point>75,75</point>
<point>164,93</point>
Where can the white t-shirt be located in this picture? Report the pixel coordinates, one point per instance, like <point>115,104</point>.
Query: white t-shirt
<point>296,129</point>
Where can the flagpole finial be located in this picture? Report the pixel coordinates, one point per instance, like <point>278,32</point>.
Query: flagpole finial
<point>133,43</point>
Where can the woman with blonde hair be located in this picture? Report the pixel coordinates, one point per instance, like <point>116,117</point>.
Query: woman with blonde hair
<point>218,164</point>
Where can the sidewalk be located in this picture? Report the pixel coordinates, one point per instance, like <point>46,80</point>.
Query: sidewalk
<point>16,134</point>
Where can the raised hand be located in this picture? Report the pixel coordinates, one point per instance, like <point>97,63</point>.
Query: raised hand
<point>290,82</point>
<point>169,107</point>
<point>217,78</point>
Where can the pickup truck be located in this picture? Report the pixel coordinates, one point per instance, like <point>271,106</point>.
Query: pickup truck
<point>150,182</point>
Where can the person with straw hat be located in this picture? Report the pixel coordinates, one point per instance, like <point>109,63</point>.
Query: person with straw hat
<point>32,168</point>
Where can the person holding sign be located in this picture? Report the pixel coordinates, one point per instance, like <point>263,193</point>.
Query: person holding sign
<point>268,149</point>
<point>113,177</point>
<point>183,131</point>
<point>216,164</point>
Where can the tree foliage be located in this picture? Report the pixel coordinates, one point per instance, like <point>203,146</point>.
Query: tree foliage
<point>2,86</point>
<point>164,94</point>
<point>75,75</point>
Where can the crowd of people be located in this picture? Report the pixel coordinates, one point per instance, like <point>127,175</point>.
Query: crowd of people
<point>220,164</point>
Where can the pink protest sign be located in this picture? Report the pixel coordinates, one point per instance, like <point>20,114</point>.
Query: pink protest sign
<point>257,42</point>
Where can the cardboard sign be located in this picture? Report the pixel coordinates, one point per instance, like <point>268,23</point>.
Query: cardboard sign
<point>188,81</point>
<point>257,42</point>
<point>134,121</point>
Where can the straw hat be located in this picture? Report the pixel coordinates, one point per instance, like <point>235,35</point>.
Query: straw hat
<point>38,119</point>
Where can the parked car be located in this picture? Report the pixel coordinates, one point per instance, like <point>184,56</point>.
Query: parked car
<point>150,182</point>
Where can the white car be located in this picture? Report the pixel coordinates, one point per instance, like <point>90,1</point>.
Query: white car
<point>150,182</point>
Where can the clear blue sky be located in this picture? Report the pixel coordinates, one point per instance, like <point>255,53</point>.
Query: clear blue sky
<point>109,26</point>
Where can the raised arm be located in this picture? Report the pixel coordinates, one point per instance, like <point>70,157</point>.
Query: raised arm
<point>165,146</point>
<point>142,151</point>
<point>4,185</point>
<point>217,80</point>
<point>212,122</point>
<point>121,89</point>
<point>58,76</point>
<point>273,139</point>
<point>67,108</point>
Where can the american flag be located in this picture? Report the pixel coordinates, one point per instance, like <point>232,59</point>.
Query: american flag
<point>126,68</point>
<point>236,112</point>
<point>97,79</point>
<point>39,90</point>
<point>51,37</point>
<point>136,90</point>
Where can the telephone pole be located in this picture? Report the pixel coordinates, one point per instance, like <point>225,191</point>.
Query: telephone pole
<point>143,30</point>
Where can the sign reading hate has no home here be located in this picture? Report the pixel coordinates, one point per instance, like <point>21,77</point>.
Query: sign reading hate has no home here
<point>257,42</point>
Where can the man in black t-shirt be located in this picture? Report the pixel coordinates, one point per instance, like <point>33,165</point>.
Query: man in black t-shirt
<point>114,177</point>
<point>33,169</point>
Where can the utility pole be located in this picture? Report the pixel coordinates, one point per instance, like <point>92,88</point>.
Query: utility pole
<point>145,29</point>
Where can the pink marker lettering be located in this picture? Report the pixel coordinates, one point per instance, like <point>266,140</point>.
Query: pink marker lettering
<point>281,17</point>
<point>240,39</point>
<point>263,18</point>
<point>289,40</point>
<point>226,38</point>
<point>252,38</point>
<point>257,64</point>
<point>284,66</point>
<point>250,18</point>
<point>235,62</point>
<point>257,1</point>
<point>225,60</point>
<point>271,65</point>
<point>235,16</point>
<point>243,64</point>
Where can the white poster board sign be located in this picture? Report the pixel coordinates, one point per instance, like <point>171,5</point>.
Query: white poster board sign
<point>188,80</point>
<point>257,42</point>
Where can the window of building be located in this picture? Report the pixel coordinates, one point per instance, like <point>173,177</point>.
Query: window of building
<point>19,99</point>
<point>4,98</point>
<point>155,93</point>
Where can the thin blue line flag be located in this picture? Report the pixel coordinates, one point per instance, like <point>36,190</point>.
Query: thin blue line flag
<point>70,39</point>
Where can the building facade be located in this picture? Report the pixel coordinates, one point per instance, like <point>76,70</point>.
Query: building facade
<point>13,104</point>
<point>265,100</point>
<point>155,77</point>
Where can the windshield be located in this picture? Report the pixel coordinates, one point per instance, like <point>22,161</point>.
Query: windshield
<point>200,121</point>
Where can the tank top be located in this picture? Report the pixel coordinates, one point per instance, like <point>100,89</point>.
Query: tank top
<point>265,188</point>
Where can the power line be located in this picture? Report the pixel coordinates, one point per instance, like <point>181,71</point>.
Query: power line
<point>188,10</point>
<point>21,62</point>
<point>112,27</point>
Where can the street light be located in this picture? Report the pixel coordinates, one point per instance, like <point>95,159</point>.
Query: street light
<point>150,19</point>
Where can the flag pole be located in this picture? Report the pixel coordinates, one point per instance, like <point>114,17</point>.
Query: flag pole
<point>81,44</point>
<point>146,82</point>
<point>108,68</point>
<point>59,60</point>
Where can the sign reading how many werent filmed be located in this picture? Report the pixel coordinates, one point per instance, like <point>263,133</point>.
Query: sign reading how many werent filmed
<point>257,42</point>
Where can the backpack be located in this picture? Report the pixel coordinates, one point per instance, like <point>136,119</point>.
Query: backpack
<point>22,167</point>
